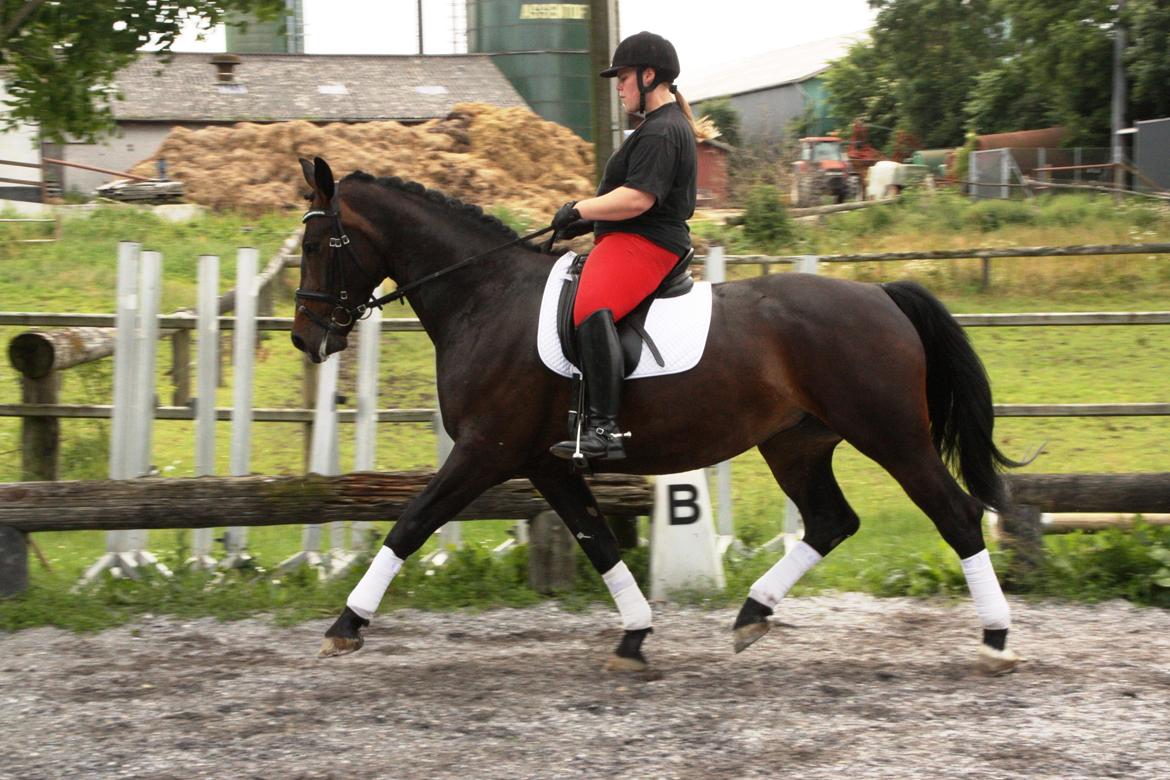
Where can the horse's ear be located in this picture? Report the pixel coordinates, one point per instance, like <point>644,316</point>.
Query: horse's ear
<point>323,178</point>
<point>307,170</point>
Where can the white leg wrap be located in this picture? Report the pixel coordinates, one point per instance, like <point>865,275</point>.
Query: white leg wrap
<point>776,581</point>
<point>632,605</point>
<point>990,604</point>
<point>367,594</point>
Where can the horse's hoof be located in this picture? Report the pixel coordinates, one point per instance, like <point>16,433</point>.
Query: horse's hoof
<point>996,662</point>
<point>337,645</point>
<point>620,663</point>
<point>747,634</point>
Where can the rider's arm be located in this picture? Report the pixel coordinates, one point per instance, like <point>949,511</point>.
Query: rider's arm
<point>617,204</point>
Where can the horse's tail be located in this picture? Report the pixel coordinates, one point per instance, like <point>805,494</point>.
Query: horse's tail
<point>958,395</point>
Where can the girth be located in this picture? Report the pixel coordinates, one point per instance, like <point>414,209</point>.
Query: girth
<point>632,328</point>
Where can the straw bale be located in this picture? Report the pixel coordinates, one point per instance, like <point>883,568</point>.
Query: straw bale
<point>478,153</point>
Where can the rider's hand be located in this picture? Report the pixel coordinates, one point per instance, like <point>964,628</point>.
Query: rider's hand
<point>565,216</point>
<point>574,229</point>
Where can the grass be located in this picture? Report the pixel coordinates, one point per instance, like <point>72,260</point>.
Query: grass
<point>896,551</point>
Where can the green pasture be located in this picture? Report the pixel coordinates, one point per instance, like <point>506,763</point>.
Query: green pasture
<point>896,551</point>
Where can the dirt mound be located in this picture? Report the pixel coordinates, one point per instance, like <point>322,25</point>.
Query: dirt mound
<point>478,153</point>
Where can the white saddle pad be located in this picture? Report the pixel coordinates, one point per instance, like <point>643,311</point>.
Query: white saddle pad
<point>678,326</point>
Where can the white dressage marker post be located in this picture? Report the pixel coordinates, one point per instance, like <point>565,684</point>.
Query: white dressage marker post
<point>322,460</point>
<point>684,550</point>
<point>235,539</point>
<point>207,360</point>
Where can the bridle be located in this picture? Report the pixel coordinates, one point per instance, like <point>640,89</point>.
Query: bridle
<point>344,312</point>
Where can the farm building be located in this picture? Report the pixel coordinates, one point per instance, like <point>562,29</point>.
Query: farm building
<point>770,90</point>
<point>201,90</point>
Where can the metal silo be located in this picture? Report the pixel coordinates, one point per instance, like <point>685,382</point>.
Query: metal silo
<point>283,35</point>
<point>543,49</point>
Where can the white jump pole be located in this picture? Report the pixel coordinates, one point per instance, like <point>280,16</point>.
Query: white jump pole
<point>118,543</point>
<point>243,357</point>
<point>144,399</point>
<point>322,460</point>
<point>207,360</point>
<point>716,273</point>
<point>366,425</point>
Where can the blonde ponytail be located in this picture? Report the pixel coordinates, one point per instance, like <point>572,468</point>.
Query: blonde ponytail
<point>686,109</point>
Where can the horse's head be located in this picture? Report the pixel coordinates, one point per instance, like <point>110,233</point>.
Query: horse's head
<point>338,272</point>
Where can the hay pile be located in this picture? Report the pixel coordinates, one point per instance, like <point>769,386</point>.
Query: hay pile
<point>480,154</point>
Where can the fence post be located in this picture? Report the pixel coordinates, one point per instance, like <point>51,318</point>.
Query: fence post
<point>40,436</point>
<point>1023,536</point>
<point>985,280</point>
<point>308,401</point>
<point>208,377</point>
<point>181,367</point>
<point>1005,174</point>
<point>13,562</point>
<point>243,356</point>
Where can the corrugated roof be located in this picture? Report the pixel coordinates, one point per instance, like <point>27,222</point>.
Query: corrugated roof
<point>771,69</point>
<point>277,87</point>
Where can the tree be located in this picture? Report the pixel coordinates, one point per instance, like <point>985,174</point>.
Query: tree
<point>1148,28</point>
<point>860,87</point>
<point>59,57</point>
<point>934,50</point>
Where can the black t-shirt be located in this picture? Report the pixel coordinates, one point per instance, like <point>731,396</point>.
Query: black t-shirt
<point>658,158</point>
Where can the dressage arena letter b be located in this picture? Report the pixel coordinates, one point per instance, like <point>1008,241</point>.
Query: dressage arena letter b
<point>684,504</point>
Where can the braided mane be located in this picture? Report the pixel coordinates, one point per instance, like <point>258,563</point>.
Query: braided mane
<point>466,210</point>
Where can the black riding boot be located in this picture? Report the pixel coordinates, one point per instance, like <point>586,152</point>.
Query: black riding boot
<point>600,354</point>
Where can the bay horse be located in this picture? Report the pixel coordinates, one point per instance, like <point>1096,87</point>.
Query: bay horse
<point>794,364</point>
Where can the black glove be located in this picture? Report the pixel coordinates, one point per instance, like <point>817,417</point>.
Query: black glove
<point>579,228</point>
<point>565,216</point>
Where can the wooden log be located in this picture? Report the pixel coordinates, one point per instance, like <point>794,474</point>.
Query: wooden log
<point>35,353</point>
<point>205,502</point>
<point>1145,492</point>
<point>551,565</point>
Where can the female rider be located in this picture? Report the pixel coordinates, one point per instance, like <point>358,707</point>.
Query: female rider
<point>639,220</point>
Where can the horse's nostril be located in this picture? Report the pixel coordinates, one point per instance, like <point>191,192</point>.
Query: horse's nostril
<point>299,343</point>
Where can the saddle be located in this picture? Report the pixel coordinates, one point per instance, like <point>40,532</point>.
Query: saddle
<point>632,328</point>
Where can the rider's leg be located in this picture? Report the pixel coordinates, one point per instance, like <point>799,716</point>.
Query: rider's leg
<point>621,271</point>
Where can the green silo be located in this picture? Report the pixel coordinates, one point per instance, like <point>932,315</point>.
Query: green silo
<point>543,50</point>
<point>283,35</point>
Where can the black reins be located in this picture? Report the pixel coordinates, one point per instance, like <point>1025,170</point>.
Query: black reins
<point>341,304</point>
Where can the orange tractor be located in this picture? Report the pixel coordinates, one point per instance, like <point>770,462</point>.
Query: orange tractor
<point>831,166</point>
<point>824,169</point>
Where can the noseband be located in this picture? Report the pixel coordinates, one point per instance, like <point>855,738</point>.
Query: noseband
<point>344,313</point>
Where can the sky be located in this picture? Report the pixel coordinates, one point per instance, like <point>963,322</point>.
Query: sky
<point>705,34</point>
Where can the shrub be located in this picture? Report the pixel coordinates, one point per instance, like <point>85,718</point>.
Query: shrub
<point>765,220</point>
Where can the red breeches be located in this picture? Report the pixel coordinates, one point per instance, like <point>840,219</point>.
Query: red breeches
<point>621,271</point>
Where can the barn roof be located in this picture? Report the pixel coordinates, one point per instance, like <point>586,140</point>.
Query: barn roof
<point>316,87</point>
<point>771,69</point>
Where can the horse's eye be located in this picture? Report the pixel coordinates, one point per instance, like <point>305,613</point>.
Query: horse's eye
<point>312,247</point>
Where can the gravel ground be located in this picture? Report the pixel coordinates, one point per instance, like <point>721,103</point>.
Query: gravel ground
<point>846,686</point>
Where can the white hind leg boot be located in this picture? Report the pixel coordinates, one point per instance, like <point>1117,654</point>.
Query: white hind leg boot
<point>367,594</point>
<point>992,608</point>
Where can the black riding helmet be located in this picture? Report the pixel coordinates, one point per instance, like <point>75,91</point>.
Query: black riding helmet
<point>645,50</point>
